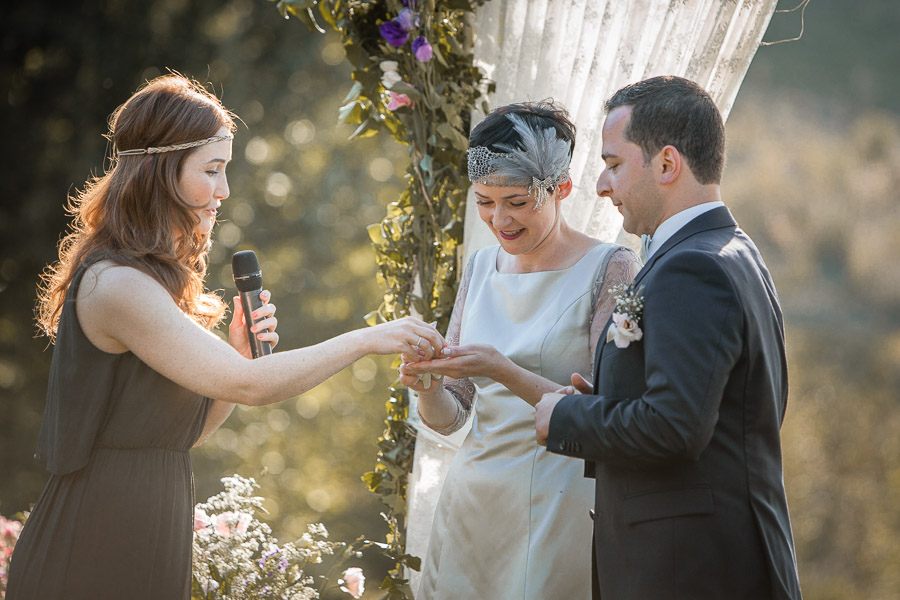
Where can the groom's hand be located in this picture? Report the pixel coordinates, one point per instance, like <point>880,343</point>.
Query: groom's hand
<point>543,410</point>
<point>582,385</point>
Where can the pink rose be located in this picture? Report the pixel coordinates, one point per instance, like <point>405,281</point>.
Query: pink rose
<point>221,524</point>
<point>243,522</point>
<point>201,519</point>
<point>353,582</point>
<point>623,330</point>
<point>398,100</point>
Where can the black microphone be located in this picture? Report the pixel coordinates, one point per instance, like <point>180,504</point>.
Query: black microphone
<point>248,281</point>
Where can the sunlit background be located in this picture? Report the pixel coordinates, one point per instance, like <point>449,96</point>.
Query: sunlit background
<point>813,172</point>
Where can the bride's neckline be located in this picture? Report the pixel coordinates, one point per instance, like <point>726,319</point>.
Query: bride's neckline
<point>497,270</point>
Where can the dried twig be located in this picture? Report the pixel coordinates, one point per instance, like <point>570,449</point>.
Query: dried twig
<point>802,7</point>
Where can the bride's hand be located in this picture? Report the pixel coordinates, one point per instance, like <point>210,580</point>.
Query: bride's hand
<point>408,335</point>
<point>264,329</point>
<point>417,382</point>
<point>460,362</point>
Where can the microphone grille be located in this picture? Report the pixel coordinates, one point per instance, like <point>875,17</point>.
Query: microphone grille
<point>244,263</point>
<point>246,271</point>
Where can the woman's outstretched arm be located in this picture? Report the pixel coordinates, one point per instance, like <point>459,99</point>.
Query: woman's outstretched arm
<point>122,309</point>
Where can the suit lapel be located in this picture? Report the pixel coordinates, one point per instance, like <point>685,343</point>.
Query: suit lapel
<point>716,218</point>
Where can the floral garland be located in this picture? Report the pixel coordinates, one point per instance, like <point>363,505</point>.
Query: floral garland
<point>414,78</point>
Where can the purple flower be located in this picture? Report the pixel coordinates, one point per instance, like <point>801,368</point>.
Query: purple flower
<point>407,19</point>
<point>394,33</point>
<point>422,49</point>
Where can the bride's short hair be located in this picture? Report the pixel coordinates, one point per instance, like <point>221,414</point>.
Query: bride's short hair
<point>497,128</point>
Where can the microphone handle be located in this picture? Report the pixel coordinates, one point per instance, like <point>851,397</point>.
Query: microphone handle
<point>250,301</point>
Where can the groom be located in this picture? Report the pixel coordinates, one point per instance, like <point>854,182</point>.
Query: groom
<point>681,427</point>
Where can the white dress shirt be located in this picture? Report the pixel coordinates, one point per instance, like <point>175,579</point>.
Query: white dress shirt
<point>673,224</point>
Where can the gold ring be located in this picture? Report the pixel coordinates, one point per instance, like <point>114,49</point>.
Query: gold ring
<point>418,341</point>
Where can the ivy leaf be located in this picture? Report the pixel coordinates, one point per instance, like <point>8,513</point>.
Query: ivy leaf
<point>356,55</point>
<point>449,133</point>
<point>364,130</point>
<point>435,49</point>
<point>413,562</point>
<point>426,165</point>
<point>328,15</point>
<point>350,113</point>
<point>353,94</point>
<point>375,233</point>
<point>458,4</point>
<point>372,480</point>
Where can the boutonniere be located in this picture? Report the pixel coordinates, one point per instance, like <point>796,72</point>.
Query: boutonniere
<point>629,306</point>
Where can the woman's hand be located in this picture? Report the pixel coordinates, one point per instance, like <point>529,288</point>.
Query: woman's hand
<point>460,362</point>
<point>408,335</point>
<point>264,329</point>
<point>422,383</point>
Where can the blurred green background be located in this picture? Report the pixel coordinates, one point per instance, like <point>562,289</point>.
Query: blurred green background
<point>813,172</point>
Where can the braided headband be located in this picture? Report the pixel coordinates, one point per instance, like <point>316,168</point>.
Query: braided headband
<point>540,163</point>
<point>174,147</point>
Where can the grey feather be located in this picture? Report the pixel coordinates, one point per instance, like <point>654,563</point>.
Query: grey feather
<point>539,155</point>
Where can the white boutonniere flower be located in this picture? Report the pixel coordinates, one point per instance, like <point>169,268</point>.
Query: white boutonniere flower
<point>626,318</point>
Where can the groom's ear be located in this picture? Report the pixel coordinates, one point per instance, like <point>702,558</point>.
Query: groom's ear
<point>670,164</point>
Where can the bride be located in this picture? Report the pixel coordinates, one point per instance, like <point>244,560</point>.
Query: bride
<point>512,520</point>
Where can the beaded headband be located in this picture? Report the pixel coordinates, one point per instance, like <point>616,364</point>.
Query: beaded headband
<point>540,163</point>
<point>174,147</point>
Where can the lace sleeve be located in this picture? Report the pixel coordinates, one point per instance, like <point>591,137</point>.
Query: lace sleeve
<point>622,268</point>
<point>462,390</point>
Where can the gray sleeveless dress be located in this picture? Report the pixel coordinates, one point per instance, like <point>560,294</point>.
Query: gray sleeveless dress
<point>115,519</point>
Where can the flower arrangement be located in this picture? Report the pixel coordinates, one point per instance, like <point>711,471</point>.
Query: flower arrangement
<point>414,78</point>
<point>9,534</point>
<point>629,307</point>
<point>235,555</point>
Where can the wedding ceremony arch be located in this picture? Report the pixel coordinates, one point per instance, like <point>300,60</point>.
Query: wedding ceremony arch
<point>424,71</point>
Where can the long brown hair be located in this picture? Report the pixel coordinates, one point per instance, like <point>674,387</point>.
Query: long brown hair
<point>133,215</point>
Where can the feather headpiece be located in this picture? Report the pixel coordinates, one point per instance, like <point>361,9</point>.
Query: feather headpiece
<point>540,161</point>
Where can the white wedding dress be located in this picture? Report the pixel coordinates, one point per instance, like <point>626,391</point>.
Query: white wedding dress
<point>512,520</point>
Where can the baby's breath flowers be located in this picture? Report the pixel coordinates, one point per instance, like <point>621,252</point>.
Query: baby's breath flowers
<point>236,556</point>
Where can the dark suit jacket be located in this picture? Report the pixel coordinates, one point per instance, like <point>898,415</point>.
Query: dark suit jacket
<point>683,431</point>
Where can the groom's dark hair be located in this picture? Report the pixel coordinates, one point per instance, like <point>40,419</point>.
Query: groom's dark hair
<point>675,111</point>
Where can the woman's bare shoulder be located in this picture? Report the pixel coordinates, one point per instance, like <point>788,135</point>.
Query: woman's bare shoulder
<point>106,280</point>
<point>113,298</point>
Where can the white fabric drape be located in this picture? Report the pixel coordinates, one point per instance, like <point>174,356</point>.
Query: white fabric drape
<point>579,52</point>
